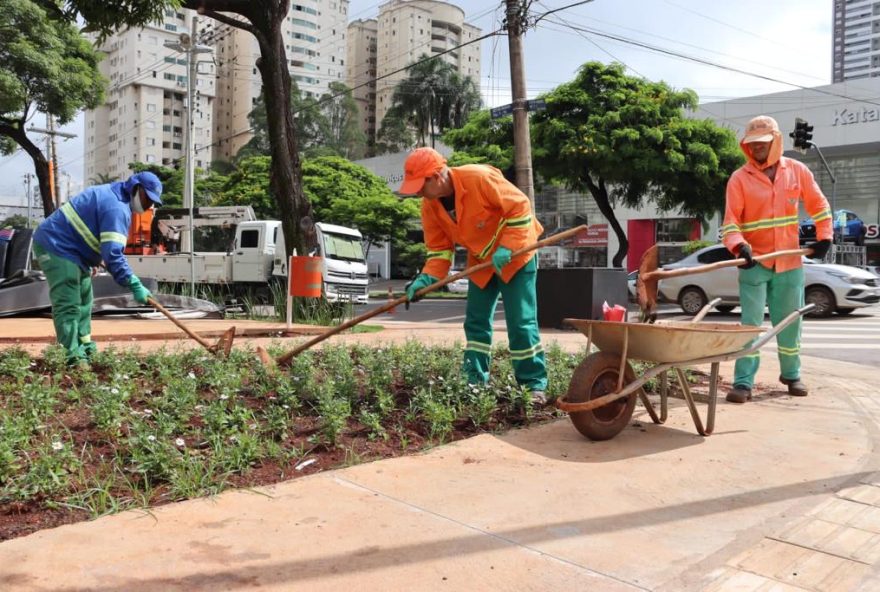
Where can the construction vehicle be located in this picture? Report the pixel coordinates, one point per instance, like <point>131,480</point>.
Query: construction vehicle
<point>235,250</point>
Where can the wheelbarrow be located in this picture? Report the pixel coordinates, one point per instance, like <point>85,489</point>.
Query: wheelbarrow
<point>602,393</point>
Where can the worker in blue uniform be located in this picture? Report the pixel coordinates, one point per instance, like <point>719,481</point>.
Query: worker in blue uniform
<point>72,242</point>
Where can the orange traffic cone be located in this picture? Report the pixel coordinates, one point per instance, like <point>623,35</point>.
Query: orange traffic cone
<point>391,299</point>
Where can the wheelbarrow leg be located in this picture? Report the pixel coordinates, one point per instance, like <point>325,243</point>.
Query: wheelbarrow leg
<point>692,407</point>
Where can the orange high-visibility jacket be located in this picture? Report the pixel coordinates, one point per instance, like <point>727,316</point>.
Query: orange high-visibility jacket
<point>765,214</point>
<point>489,212</point>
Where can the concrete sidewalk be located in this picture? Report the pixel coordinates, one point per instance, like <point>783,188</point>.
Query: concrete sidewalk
<point>784,496</point>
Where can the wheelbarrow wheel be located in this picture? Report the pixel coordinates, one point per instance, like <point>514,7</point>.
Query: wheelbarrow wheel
<point>594,377</point>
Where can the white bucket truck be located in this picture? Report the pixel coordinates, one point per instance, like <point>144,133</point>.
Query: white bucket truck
<point>256,255</point>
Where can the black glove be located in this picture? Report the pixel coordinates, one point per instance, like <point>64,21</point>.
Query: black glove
<point>745,252</point>
<point>819,248</point>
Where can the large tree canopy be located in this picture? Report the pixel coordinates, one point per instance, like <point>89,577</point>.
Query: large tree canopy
<point>341,193</point>
<point>46,66</point>
<point>626,140</point>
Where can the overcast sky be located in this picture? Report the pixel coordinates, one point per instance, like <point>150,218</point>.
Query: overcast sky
<point>784,42</point>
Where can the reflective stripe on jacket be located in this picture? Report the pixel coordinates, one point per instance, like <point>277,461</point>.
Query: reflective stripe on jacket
<point>91,227</point>
<point>489,212</point>
<point>764,214</point>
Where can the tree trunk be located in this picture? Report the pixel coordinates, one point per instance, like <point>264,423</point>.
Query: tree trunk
<point>285,183</point>
<point>41,164</point>
<point>600,196</point>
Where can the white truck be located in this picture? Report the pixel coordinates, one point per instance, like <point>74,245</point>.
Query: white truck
<point>256,255</point>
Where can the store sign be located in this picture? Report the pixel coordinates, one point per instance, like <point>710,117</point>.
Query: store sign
<point>873,231</point>
<point>848,116</point>
<point>596,235</point>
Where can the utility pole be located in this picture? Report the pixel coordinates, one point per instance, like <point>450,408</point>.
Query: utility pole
<point>186,44</point>
<point>30,201</point>
<point>50,132</point>
<point>522,142</point>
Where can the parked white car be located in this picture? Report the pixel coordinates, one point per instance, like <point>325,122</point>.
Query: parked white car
<point>459,286</point>
<point>831,287</point>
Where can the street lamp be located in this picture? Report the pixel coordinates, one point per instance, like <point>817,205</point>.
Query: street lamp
<point>186,45</point>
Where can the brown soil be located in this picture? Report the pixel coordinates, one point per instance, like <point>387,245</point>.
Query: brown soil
<point>21,518</point>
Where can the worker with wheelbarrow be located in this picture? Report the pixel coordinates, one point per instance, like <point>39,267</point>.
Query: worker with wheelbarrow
<point>475,206</point>
<point>761,216</point>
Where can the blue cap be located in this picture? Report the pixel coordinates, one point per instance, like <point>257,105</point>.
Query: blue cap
<point>151,184</point>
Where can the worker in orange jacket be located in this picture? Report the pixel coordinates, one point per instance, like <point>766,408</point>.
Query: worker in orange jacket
<point>475,206</point>
<point>761,216</point>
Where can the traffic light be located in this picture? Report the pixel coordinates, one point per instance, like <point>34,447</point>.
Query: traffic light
<point>802,134</point>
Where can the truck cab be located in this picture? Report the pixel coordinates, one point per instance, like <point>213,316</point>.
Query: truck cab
<point>344,266</point>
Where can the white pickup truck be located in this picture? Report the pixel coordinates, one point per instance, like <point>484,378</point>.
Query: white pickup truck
<point>257,256</point>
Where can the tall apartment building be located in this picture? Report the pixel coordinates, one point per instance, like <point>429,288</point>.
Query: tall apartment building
<point>144,115</point>
<point>856,51</point>
<point>315,34</point>
<point>404,31</point>
<point>362,62</point>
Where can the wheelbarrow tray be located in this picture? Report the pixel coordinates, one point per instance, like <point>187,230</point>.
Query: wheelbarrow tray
<point>669,342</point>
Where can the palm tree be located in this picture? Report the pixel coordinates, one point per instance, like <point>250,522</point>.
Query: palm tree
<point>102,179</point>
<point>433,98</point>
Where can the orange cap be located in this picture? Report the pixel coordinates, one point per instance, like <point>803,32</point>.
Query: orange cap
<point>420,164</point>
<point>760,129</point>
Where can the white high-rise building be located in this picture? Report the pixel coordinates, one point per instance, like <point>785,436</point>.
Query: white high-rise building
<point>315,42</point>
<point>144,115</point>
<point>361,67</point>
<point>405,31</point>
<point>856,52</point>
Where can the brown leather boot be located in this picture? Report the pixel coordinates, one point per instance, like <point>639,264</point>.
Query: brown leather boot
<point>796,388</point>
<point>739,394</point>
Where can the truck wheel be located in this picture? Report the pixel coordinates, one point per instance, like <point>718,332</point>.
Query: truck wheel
<point>692,300</point>
<point>724,308</point>
<point>823,299</point>
<point>596,376</point>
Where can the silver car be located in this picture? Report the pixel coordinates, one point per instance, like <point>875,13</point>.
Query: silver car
<point>832,288</point>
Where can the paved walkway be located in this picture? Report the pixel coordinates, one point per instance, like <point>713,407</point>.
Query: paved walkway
<point>785,496</point>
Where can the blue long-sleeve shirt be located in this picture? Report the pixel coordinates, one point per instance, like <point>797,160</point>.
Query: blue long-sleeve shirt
<point>90,227</point>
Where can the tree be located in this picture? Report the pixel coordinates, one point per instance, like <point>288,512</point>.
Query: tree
<point>482,140</point>
<point>346,193</point>
<point>15,221</point>
<point>103,18</point>
<point>46,65</point>
<point>263,19</point>
<point>626,140</point>
<point>394,134</point>
<point>308,119</point>
<point>432,98</point>
<point>340,191</point>
<point>341,129</point>
<point>102,179</point>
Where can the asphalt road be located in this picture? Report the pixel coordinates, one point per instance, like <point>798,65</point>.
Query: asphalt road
<point>853,338</point>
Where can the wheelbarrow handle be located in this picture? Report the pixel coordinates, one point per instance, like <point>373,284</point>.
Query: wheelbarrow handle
<point>668,273</point>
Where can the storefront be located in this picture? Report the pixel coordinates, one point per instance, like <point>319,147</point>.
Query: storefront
<point>846,127</point>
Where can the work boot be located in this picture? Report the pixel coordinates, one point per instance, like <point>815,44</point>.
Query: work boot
<point>539,399</point>
<point>796,388</point>
<point>739,394</point>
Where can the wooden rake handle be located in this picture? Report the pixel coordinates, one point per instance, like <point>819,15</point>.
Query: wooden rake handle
<point>667,273</point>
<point>284,358</point>
<point>153,302</point>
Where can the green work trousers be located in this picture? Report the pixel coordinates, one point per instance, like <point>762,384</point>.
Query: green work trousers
<point>70,290</point>
<point>521,315</point>
<point>782,293</point>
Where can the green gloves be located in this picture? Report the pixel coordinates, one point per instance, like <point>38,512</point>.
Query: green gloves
<point>137,288</point>
<point>500,258</point>
<point>423,280</point>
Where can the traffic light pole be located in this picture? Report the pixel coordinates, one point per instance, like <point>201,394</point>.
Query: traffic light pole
<point>834,236</point>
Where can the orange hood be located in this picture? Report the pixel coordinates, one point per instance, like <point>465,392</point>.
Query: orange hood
<point>762,129</point>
